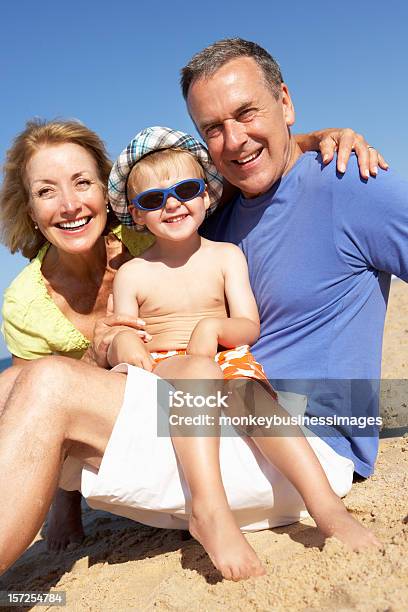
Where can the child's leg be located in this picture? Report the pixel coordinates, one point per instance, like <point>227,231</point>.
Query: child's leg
<point>292,454</point>
<point>294,457</point>
<point>211,520</point>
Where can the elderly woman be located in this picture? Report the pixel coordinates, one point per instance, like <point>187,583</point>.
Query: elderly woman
<point>54,210</point>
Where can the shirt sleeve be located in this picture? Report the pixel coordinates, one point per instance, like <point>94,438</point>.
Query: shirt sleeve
<point>19,329</point>
<point>135,242</point>
<point>372,217</point>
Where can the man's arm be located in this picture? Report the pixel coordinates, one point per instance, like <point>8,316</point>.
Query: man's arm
<point>372,219</point>
<point>327,142</point>
<point>344,141</point>
<point>242,326</point>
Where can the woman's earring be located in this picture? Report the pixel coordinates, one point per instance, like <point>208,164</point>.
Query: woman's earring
<point>107,208</point>
<point>35,226</point>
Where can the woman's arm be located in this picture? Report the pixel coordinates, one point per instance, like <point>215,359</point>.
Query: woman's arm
<point>106,329</point>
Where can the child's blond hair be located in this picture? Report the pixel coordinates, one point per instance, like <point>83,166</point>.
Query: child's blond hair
<point>163,164</point>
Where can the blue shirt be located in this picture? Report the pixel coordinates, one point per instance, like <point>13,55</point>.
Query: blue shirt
<point>321,248</point>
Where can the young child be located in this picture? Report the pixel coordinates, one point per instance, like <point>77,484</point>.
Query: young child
<point>195,296</point>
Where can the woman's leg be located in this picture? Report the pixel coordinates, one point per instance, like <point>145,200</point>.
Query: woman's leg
<point>292,454</point>
<point>211,520</point>
<point>64,521</point>
<point>56,405</point>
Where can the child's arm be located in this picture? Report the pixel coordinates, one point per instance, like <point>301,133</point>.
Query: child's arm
<point>127,346</point>
<point>242,326</point>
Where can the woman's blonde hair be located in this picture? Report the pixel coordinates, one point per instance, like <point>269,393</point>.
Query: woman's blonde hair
<point>17,229</point>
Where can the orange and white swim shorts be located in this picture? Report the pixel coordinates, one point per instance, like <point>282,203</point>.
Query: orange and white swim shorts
<point>234,363</point>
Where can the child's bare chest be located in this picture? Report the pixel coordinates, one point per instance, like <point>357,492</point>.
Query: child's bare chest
<point>187,291</point>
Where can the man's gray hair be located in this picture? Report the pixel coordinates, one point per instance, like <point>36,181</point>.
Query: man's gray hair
<point>205,63</point>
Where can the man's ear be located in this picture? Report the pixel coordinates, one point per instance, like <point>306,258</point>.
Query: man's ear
<point>287,105</point>
<point>137,215</point>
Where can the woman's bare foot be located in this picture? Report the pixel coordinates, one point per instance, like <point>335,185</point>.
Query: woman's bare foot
<point>217,532</point>
<point>335,521</point>
<point>64,521</point>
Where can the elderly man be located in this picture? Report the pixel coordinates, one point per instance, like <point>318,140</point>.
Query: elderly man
<point>282,218</point>
<point>321,246</point>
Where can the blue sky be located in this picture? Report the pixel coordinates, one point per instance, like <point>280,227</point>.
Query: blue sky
<point>115,66</point>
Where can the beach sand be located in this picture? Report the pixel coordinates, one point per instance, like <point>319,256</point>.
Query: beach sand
<point>126,566</point>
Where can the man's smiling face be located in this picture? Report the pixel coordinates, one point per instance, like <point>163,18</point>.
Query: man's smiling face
<point>244,125</point>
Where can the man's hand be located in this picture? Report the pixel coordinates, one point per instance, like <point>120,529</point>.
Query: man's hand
<point>104,332</point>
<point>344,141</point>
<point>204,339</point>
<point>127,347</point>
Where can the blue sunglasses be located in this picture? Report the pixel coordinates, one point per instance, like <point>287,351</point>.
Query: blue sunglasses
<point>153,199</point>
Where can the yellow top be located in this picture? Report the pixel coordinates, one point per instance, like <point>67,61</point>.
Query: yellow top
<point>33,325</point>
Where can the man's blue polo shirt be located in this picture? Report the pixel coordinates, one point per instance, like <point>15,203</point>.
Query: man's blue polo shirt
<point>321,248</point>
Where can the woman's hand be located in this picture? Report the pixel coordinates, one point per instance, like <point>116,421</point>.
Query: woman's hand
<point>344,141</point>
<point>106,329</point>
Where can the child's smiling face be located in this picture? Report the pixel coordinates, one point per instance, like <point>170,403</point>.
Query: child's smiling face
<point>176,221</point>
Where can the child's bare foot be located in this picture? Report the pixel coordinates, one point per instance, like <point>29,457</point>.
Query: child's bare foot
<point>336,522</point>
<point>217,532</point>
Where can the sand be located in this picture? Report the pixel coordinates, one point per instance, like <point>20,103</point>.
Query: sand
<point>126,566</point>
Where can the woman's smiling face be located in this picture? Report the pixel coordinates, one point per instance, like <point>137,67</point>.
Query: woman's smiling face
<point>67,199</point>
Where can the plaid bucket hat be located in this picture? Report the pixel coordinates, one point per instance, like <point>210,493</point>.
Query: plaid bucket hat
<point>154,139</point>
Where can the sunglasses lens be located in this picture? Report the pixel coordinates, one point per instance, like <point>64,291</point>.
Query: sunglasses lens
<point>188,190</point>
<point>152,200</point>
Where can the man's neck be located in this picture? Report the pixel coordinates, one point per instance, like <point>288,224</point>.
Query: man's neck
<point>294,152</point>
